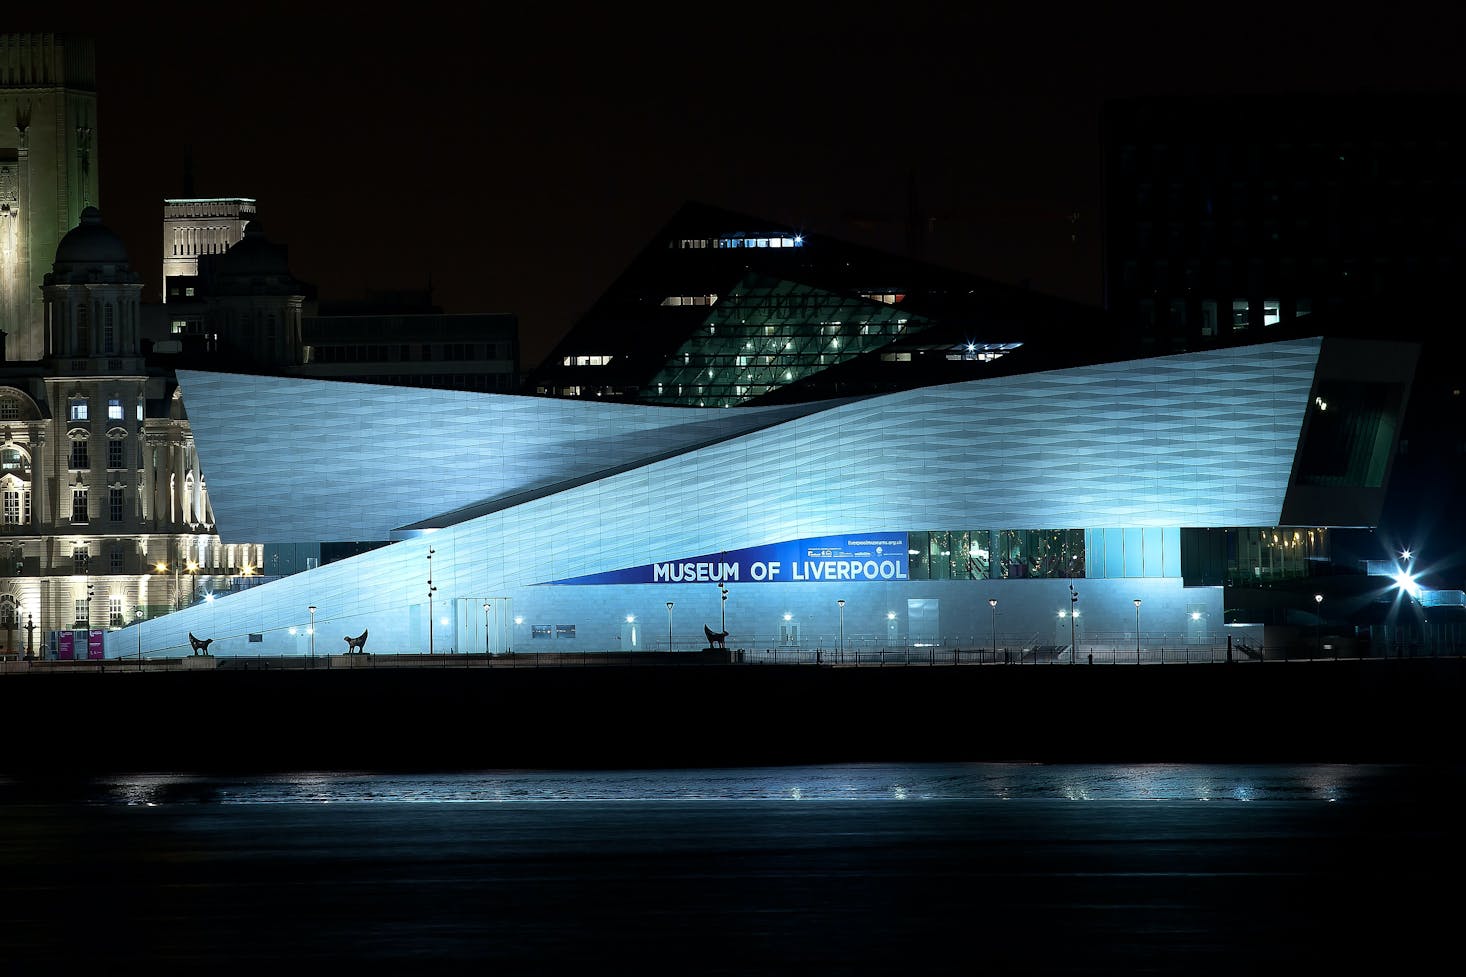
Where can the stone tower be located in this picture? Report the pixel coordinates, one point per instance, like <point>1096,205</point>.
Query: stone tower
<point>48,170</point>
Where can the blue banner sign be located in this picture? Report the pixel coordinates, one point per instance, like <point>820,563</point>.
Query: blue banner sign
<point>867,556</point>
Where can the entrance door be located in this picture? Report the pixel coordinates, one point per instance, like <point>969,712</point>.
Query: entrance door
<point>923,622</point>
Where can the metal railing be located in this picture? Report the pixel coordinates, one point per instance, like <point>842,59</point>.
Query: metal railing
<point>1096,656</point>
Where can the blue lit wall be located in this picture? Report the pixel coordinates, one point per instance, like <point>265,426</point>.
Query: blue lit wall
<point>1203,439</point>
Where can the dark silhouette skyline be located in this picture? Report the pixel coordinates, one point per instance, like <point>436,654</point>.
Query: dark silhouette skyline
<point>520,160</point>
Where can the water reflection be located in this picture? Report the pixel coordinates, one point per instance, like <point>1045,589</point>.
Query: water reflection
<point>864,783</point>
<point>863,869</point>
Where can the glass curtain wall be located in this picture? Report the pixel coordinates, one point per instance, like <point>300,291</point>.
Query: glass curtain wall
<point>767,333</point>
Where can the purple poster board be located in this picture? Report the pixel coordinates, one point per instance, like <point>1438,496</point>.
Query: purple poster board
<point>94,646</point>
<point>64,646</point>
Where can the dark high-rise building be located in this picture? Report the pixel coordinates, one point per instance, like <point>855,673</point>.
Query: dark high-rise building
<point>1304,215</point>
<point>1242,214</point>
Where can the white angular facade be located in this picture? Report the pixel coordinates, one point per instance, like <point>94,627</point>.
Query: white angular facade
<point>521,499</point>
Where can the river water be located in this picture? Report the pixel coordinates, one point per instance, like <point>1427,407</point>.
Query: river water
<point>861,869</point>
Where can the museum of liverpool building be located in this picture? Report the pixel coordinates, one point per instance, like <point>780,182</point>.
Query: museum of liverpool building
<point>1103,506</point>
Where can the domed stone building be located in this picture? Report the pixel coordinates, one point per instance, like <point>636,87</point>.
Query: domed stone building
<point>104,512</point>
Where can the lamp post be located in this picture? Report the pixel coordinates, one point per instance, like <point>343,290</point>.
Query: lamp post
<point>993,603</point>
<point>431,590</point>
<point>724,591</point>
<point>669,625</point>
<point>30,636</point>
<point>1137,630</point>
<point>840,645</point>
<point>161,568</point>
<point>312,632</point>
<point>1073,616</point>
<point>1317,623</point>
<point>138,613</point>
<point>486,630</point>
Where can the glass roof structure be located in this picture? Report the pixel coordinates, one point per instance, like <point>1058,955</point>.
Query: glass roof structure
<point>767,333</point>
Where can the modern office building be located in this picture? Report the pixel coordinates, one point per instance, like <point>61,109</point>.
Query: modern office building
<point>1238,214</point>
<point>1107,505</point>
<point>724,309</point>
<point>474,351</point>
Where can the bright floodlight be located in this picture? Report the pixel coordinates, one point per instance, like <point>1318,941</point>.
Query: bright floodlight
<point>1405,580</point>
<point>1404,554</point>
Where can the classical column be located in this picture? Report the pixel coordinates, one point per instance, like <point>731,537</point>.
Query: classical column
<point>39,495</point>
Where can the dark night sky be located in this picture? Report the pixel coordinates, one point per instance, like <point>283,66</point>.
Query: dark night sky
<point>522,159</point>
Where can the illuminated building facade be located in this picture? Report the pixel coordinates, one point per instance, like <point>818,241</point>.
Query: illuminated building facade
<point>48,169</point>
<point>199,226</point>
<point>858,524</point>
<point>106,517</point>
<point>104,511</point>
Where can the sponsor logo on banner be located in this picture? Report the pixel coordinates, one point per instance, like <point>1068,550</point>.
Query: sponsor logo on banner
<point>861,557</point>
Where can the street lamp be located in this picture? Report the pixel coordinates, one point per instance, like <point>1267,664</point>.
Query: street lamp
<point>1317,622</point>
<point>138,613</point>
<point>431,590</point>
<point>160,568</point>
<point>486,629</point>
<point>840,646</point>
<point>724,591</point>
<point>312,632</point>
<point>993,603</point>
<point>1137,630</point>
<point>193,581</point>
<point>669,625</point>
<point>1073,616</point>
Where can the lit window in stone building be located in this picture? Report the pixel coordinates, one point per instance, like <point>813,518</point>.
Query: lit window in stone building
<point>114,409</point>
<point>14,460</point>
<point>78,409</point>
<point>79,458</point>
